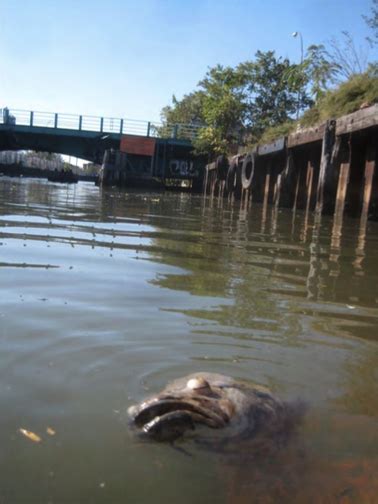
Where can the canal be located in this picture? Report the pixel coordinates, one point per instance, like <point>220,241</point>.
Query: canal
<point>106,296</point>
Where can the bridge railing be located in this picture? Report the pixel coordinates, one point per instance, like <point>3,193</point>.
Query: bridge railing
<point>100,124</point>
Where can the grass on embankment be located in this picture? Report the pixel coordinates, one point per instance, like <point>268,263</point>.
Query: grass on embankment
<point>360,90</point>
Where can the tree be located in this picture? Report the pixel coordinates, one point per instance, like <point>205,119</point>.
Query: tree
<point>189,110</point>
<point>372,22</point>
<point>272,96</point>
<point>237,105</point>
<point>321,71</point>
<point>314,75</point>
<point>223,107</point>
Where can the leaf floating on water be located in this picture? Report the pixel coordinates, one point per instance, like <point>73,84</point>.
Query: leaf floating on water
<point>30,435</point>
<point>50,431</point>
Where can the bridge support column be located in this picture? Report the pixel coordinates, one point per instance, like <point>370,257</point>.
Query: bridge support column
<point>113,169</point>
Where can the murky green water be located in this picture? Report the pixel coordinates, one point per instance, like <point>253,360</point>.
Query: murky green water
<point>106,296</point>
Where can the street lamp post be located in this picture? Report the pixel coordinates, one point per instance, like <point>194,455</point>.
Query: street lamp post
<point>295,35</point>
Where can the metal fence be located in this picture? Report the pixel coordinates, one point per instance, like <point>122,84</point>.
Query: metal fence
<point>99,124</point>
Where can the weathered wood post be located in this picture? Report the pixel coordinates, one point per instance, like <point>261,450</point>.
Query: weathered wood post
<point>287,181</point>
<point>296,192</point>
<point>309,181</point>
<point>308,196</point>
<point>266,193</point>
<point>344,159</point>
<point>267,182</point>
<point>370,162</point>
<point>344,172</point>
<point>205,180</point>
<point>277,191</point>
<point>326,183</point>
<point>212,182</point>
<point>368,181</point>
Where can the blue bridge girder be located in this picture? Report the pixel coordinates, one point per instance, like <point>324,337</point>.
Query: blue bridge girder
<point>86,137</point>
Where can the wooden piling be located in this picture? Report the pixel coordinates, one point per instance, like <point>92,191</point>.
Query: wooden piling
<point>313,169</point>
<point>370,164</point>
<point>344,160</point>
<point>296,191</point>
<point>277,191</point>
<point>324,199</point>
<point>309,180</point>
<point>288,178</point>
<point>205,180</point>
<point>266,193</point>
<point>344,172</point>
<point>308,197</point>
<point>368,181</point>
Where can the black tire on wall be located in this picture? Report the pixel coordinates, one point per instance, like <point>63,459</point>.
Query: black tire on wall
<point>248,169</point>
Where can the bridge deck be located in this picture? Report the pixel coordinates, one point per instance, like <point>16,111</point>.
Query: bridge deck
<point>82,123</point>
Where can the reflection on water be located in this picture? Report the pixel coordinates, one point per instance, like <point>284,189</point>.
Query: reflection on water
<point>107,296</point>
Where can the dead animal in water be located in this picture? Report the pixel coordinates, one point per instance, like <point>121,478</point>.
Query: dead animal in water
<point>208,404</point>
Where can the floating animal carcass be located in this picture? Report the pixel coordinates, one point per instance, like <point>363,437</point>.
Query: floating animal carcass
<point>213,408</point>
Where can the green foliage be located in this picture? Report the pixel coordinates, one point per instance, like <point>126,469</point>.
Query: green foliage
<point>311,117</point>
<point>238,104</point>
<point>347,98</point>
<point>360,90</point>
<point>278,131</point>
<point>223,108</point>
<point>187,111</point>
<point>372,22</point>
<point>257,100</point>
<point>316,73</point>
<point>273,96</point>
<point>348,58</point>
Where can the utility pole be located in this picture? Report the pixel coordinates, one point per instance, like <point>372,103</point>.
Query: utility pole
<point>295,35</point>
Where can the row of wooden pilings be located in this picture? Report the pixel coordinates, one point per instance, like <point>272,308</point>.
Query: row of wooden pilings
<point>330,174</point>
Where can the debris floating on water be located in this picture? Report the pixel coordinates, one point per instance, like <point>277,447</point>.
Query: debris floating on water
<point>30,435</point>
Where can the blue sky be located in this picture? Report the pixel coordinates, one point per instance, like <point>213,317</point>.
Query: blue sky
<point>125,58</point>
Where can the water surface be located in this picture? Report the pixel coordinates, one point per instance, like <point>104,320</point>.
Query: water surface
<point>106,295</point>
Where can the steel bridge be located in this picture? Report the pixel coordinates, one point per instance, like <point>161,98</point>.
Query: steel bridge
<point>86,137</point>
